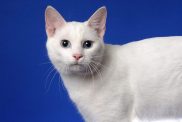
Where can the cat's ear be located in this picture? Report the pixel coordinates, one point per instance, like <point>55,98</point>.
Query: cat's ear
<point>98,21</point>
<point>53,20</point>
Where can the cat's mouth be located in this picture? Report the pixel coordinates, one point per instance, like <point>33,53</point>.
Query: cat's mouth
<point>75,63</point>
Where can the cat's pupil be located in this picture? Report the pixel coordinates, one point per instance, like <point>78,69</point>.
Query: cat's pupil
<point>65,43</point>
<point>87,44</point>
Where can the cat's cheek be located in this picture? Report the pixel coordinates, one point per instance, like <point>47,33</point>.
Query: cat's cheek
<point>53,53</point>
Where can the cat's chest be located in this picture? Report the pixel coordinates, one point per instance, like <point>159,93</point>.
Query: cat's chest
<point>98,92</point>
<point>81,89</point>
<point>95,97</point>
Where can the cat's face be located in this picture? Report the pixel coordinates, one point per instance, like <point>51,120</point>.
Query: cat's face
<point>75,47</point>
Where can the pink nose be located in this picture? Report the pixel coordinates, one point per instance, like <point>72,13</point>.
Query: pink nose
<point>77,56</point>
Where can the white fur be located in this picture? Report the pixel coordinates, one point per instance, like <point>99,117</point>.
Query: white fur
<point>140,79</point>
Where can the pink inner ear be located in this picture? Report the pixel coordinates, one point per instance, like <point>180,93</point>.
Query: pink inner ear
<point>50,31</point>
<point>53,20</point>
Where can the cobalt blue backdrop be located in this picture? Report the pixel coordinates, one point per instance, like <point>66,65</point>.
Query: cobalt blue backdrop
<point>26,91</point>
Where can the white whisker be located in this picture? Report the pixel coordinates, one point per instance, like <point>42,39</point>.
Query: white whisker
<point>97,70</point>
<point>51,81</point>
<point>99,64</point>
<point>46,80</point>
<point>92,75</point>
<point>45,63</point>
<point>85,73</point>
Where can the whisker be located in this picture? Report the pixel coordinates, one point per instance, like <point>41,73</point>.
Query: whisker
<point>97,70</point>
<point>99,64</point>
<point>59,84</point>
<point>97,56</point>
<point>51,81</point>
<point>51,67</point>
<point>45,63</point>
<point>46,80</point>
<point>91,75</point>
<point>87,71</point>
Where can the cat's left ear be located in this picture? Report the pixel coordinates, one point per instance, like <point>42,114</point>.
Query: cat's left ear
<point>53,20</point>
<point>98,21</point>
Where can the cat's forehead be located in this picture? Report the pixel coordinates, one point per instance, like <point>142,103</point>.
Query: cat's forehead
<point>76,26</point>
<point>76,30</point>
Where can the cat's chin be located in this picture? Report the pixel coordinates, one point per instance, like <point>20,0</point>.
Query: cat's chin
<point>77,68</point>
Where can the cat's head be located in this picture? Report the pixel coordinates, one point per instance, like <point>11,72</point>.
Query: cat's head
<point>75,47</point>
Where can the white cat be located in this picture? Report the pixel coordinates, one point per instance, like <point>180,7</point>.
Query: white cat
<point>113,83</point>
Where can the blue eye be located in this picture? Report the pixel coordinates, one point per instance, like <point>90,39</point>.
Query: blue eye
<point>87,44</point>
<point>65,43</point>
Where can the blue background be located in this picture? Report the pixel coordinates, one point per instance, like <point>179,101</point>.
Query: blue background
<point>25,94</point>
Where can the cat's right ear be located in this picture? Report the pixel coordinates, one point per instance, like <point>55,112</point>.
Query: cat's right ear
<point>53,20</point>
